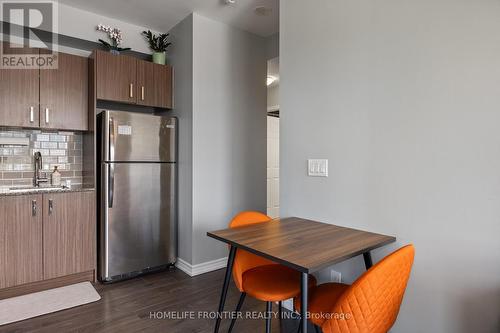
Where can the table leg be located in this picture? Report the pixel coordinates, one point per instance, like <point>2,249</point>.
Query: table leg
<point>368,260</point>
<point>225,286</point>
<point>304,286</point>
<point>280,310</point>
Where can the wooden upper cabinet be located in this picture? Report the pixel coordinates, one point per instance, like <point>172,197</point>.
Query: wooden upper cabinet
<point>21,240</point>
<point>19,95</point>
<point>46,98</point>
<point>145,85</point>
<point>64,94</point>
<point>154,84</point>
<point>129,80</point>
<point>163,78</point>
<point>115,77</point>
<point>69,232</point>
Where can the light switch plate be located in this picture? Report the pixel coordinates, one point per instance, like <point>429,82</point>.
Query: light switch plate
<point>317,167</point>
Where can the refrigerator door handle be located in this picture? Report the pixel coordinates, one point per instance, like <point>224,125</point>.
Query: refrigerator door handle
<point>111,139</point>
<point>111,184</point>
<point>111,166</point>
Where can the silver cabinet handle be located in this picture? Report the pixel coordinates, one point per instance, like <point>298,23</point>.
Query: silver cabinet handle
<point>142,93</point>
<point>33,207</point>
<point>131,90</point>
<point>32,114</point>
<point>51,206</point>
<point>47,115</point>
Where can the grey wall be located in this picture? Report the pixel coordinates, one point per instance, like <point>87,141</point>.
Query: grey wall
<point>229,130</point>
<point>82,24</point>
<point>220,97</point>
<point>181,57</point>
<point>273,46</point>
<point>403,99</point>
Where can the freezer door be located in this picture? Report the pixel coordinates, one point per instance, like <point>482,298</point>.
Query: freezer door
<point>139,217</point>
<point>136,137</point>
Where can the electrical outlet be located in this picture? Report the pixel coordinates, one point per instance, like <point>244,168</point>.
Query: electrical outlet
<point>335,276</point>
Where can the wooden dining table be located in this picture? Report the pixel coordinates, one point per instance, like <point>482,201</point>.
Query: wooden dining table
<point>304,245</point>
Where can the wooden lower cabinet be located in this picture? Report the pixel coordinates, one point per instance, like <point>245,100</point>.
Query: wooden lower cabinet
<point>68,233</point>
<point>20,240</point>
<point>46,236</point>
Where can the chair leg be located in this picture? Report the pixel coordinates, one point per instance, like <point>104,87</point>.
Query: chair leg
<point>238,308</point>
<point>280,310</point>
<point>300,326</point>
<point>269,308</point>
<point>317,328</point>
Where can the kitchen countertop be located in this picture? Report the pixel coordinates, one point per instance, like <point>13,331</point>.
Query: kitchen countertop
<point>43,190</point>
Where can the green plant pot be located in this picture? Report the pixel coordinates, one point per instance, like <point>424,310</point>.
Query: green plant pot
<point>159,58</point>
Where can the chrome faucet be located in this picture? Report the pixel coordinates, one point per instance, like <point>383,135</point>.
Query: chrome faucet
<point>38,167</point>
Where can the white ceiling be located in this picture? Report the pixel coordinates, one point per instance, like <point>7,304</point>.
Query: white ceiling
<point>162,15</point>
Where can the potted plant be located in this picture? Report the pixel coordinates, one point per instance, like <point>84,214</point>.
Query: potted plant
<point>159,44</point>
<point>115,36</point>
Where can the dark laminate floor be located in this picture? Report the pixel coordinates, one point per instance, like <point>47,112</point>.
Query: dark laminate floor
<point>126,307</point>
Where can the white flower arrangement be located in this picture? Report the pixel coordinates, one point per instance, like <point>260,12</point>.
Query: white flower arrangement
<point>114,34</point>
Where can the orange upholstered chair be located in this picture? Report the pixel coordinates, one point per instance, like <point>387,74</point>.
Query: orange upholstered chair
<point>370,305</point>
<point>261,278</point>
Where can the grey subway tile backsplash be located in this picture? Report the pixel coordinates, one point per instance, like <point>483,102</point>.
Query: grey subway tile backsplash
<point>48,145</point>
<point>42,137</point>
<point>57,138</point>
<point>61,149</point>
<point>57,152</point>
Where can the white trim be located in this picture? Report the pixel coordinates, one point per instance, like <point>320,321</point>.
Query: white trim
<point>183,266</point>
<point>198,269</point>
<point>273,108</point>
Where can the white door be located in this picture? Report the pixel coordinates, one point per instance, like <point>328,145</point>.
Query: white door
<point>273,168</point>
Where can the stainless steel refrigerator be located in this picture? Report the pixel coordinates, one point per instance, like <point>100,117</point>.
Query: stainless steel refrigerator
<point>137,187</point>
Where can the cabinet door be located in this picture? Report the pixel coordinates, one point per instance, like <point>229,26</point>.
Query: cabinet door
<point>115,77</point>
<point>146,90</point>
<point>19,96</point>
<point>154,84</point>
<point>64,94</point>
<point>21,240</point>
<point>163,78</point>
<point>68,233</point>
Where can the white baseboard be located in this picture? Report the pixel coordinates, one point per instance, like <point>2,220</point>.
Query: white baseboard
<point>198,269</point>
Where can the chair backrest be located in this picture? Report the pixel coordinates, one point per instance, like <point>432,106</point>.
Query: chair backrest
<point>371,304</point>
<point>245,260</point>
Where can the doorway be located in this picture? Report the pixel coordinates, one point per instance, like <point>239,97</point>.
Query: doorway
<point>273,130</point>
